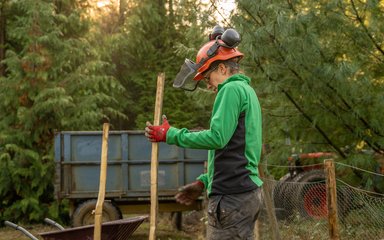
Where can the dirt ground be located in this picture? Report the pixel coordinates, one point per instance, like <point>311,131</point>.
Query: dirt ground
<point>192,229</point>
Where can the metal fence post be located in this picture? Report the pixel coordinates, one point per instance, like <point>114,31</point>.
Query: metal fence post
<point>329,168</point>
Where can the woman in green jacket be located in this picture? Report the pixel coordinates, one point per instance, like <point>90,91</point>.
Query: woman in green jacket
<point>234,141</point>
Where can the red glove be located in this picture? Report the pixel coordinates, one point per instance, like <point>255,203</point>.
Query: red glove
<point>189,193</point>
<point>157,133</point>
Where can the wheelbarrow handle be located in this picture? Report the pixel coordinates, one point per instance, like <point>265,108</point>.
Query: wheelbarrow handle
<point>53,223</point>
<point>21,229</point>
<point>10,224</point>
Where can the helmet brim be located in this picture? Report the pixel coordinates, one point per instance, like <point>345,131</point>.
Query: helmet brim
<point>198,77</point>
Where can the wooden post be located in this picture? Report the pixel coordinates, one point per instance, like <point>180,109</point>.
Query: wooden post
<point>103,180</point>
<point>154,157</point>
<point>256,232</point>
<point>331,199</point>
<point>270,206</point>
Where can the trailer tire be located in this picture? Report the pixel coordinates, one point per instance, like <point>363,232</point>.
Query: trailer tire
<point>83,214</point>
<point>279,198</point>
<point>177,220</point>
<point>311,197</point>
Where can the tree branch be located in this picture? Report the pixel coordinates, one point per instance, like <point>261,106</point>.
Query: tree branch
<point>365,28</point>
<point>365,123</point>
<point>306,116</point>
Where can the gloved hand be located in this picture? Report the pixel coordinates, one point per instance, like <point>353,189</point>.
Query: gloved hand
<point>157,133</point>
<point>189,193</point>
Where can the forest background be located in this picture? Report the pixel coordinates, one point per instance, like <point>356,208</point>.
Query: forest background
<point>317,67</point>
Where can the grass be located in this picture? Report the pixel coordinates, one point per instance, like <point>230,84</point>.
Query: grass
<point>358,225</point>
<point>165,230</point>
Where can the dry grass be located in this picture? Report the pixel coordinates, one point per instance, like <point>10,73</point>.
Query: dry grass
<point>7,233</point>
<point>192,230</point>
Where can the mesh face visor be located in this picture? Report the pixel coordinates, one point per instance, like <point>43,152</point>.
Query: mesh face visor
<point>184,79</point>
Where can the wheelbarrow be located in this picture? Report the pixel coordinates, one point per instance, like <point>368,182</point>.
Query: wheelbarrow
<point>113,230</point>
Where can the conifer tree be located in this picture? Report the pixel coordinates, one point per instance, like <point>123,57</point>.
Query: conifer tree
<point>155,37</point>
<point>3,20</point>
<point>54,81</point>
<point>319,72</point>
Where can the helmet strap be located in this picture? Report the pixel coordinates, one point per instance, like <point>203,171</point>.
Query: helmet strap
<point>213,49</point>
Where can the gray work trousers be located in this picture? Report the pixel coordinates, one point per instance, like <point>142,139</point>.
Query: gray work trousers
<point>233,217</point>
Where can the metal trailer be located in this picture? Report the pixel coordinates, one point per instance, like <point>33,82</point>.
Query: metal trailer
<point>77,160</point>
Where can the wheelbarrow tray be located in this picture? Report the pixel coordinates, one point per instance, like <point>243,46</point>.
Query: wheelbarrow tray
<point>113,230</point>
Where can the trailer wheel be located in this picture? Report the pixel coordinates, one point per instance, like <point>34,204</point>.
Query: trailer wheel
<point>311,196</point>
<point>83,214</point>
<point>177,220</point>
<point>280,198</point>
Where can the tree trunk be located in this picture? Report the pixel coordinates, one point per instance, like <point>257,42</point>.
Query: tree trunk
<point>122,11</point>
<point>2,36</point>
<point>170,6</point>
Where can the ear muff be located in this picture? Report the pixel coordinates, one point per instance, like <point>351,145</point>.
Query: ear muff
<point>231,38</point>
<point>217,31</point>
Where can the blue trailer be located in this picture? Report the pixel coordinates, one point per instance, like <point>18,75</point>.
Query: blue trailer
<point>77,160</point>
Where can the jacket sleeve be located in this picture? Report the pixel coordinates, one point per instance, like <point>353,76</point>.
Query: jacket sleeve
<point>204,179</point>
<point>226,110</point>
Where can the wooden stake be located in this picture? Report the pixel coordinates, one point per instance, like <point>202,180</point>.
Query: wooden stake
<point>257,230</point>
<point>103,180</point>
<point>269,206</point>
<point>154,157</point>
<point>331,199</point>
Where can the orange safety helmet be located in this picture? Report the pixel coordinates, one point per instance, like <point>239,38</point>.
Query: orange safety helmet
<point>222,53</point>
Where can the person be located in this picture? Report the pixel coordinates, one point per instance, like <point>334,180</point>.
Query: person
<point>234,143</point>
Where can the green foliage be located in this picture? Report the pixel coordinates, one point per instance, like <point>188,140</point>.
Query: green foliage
<point>25,179</point>
<point>69,66</point>
<point>151,40</point>
<point>318,68</point>
<point>54,81</point>
<point>318,72</point>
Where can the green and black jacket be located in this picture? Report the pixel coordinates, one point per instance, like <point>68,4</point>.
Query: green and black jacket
<point>233,140</point>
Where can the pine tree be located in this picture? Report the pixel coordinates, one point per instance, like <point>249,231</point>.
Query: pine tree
<point>153,39</point>
<point>3,20</point>
<point>54,81</point>
<point>318,67</point>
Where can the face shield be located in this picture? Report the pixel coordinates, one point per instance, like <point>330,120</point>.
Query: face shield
<point>184,79</point>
